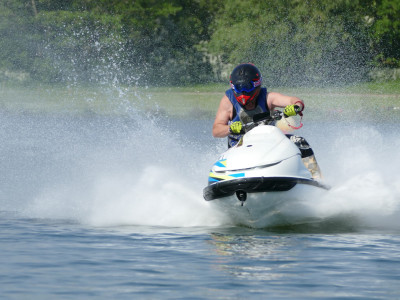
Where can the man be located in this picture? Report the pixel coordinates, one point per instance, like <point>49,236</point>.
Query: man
<point>247,98</point>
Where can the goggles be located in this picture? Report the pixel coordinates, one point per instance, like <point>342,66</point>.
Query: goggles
<point>247,87</point>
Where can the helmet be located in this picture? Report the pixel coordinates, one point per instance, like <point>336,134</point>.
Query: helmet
<point>246,82</point>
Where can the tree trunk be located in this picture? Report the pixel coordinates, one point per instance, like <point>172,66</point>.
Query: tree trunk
<point>34,8</point>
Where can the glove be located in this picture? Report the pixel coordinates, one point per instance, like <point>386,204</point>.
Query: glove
<point>236,127</point>
<point>292,110</point>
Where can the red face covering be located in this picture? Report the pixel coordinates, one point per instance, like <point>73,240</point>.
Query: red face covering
<point>245,98</point>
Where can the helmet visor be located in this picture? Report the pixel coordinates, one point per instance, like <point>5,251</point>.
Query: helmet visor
<point>247,87</point>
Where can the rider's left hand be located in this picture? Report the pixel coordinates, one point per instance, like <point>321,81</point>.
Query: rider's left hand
<point>292,110</point>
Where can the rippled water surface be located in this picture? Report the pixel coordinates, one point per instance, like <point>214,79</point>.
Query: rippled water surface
<point>109,206</point>
<point>48,259</point>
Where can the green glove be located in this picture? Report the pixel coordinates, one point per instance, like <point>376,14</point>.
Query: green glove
<point>236,127</point>
<point>291,110</point>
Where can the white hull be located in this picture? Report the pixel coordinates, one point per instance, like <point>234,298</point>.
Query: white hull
<point>256,182</point>
<point>266,209</point>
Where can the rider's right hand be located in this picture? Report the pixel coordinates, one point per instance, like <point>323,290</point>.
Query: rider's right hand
<point>235,127</point>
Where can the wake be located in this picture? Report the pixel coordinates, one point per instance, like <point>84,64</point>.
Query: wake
<point>136,170</point>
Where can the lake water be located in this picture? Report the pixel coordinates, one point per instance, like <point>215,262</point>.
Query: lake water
<point>110,207</point>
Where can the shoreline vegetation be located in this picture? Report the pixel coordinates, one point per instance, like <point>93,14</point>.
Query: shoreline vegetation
<point>170,43</point>
<point>198,101</point>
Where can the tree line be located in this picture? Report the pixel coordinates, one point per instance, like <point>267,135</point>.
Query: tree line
<point>180,42</point>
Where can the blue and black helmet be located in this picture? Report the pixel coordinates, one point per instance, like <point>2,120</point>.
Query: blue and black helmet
<point>245,81</point>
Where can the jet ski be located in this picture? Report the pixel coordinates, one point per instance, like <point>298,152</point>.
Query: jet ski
<point>254,180</point>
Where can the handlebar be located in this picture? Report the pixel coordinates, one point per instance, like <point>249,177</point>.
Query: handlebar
<point>267,117</point>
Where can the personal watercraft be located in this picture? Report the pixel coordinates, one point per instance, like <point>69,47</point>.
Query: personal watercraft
<point>252,181</point>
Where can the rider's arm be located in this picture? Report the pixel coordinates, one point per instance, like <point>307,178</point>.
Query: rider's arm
<point>223,116</point>
<point>279,100</point>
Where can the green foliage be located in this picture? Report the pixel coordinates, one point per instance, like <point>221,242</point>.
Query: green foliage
<point>164,42</point>
<point>295,42</point>
<point>386,32</point>
<point>134,42</point>
<point>15,35</point>
<point>80,46</point>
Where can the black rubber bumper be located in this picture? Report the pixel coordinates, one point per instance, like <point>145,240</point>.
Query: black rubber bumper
<point>254,185</point>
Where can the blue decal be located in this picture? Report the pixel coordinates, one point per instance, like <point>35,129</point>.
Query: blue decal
<point>221,163</point>
<point>237,175</point>
<point>212,180</point>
